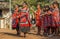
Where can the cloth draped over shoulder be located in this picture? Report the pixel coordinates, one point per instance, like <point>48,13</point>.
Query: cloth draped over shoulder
<point>24,18</point>
<point>56,17</point>
<point>37,17</point>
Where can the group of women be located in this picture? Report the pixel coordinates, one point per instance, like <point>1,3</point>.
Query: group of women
<point>46,18</point>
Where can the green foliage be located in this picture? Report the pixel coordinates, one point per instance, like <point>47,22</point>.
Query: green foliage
<point>33,8</point>
<point>32,2</point>
<point>7,0</point>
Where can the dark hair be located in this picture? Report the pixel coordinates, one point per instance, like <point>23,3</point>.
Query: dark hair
<point>25,2</point>
<point>47,8</point>
<point>56,3</point>
<point>17,5</point>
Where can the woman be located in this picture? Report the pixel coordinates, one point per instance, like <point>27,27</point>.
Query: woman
<point>55,17</point>
<point>15,19</point>
<point>38,21</point>
<point>37,17</point>
<point>25,19</point>
<point>45,20</point>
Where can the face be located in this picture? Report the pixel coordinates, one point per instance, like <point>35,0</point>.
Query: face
<point>24,5</point>
<point>16,6</point>
<point>55,5</point>
<point>38,6</point>
<point>51,6</point>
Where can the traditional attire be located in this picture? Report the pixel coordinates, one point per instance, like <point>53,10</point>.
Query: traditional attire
<point>59,22</point>
<point>47,19</point>
<point>55,18</point>
<point>49,26</point>
<point>59,19</point>
<point>45,23</point>
<point>15,19</point>
<point>38,20</point>
<point>24,20</point>
<point>37,15</point>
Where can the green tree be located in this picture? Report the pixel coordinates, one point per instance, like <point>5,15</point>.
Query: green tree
<point>7,0</point>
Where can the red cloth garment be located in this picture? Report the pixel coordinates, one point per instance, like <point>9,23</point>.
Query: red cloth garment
<point>42,18</point>
<point>49,17</point>
<point>59,19</point>
<point>56,17</point>
<point>45,21</point>
<point>37,15</point>
<point>24,18</point>
<point>15,19</point>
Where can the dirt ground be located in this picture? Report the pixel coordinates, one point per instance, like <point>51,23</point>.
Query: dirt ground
<point>11,34</point>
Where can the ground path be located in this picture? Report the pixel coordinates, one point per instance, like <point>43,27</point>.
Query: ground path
<point>11,34</point>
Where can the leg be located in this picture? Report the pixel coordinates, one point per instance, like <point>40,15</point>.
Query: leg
<point>52,30</point>
<point>39,29</point>
<point>48,30</point>
<point>26,30</point>
<point>18,31</point>
<point>45,31</point>
<point>56,31</point>
<point>24,34</point>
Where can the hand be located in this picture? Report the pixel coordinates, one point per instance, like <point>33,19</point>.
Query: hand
<point>17,16</point>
